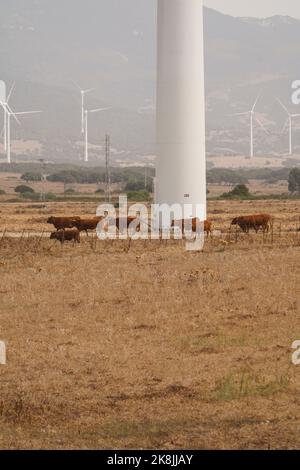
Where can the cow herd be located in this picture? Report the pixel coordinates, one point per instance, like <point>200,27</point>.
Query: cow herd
<point>70,228</point>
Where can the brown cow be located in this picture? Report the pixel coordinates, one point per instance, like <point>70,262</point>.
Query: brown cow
<point>84,225</point>
<point>195,225</point>
<point>208,227</point>
<point>61,223</point>
<point>257,221</point>
<point>123,222</point>
<point>69,235</point>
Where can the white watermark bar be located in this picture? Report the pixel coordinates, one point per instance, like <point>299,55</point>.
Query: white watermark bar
<point>296,92</point>
<point>296,354</point>
<point>2,353</point>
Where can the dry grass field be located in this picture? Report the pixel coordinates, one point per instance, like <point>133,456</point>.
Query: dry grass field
<point>240,161</point>
<point>151,347</point>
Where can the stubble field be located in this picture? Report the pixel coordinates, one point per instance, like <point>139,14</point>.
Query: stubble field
<point>152,346</point>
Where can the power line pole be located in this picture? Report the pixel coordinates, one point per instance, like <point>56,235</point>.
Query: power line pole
<point>146,177</point>
<point>43,180</point>
<point>107,168</point>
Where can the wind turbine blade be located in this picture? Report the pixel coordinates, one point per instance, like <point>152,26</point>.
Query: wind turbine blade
<point>89,90</point>
<point>27,112</point>
<point>76,84</point>
<point>283,106</point>
<point>262,126</point>
<point>10,92</point>
<point>295,115</point>
<point>98,110</point>
<point>256,101</point>
<point>3,106</point>
<point>240,114</point>
<point>12,113</point>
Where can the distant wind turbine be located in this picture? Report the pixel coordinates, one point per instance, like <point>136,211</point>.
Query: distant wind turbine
<point>252,117</point>
<point>86,113</point>
<point>290,121</point>
<point>8,113</point>
<point>83,93</point>
<point>5,100</point>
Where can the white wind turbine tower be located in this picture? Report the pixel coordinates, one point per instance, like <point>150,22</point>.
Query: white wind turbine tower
<point>251,113</point>
<point>180,123</point>
<point>5,101</point>
<point>290,121</point>
<point>83,93</point>
<point>8,112</point>
<point>86,140</point>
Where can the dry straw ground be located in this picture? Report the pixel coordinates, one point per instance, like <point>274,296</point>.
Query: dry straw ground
<point>153,347</point>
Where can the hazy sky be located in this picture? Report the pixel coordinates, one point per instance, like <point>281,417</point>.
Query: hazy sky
<point>259,8</point>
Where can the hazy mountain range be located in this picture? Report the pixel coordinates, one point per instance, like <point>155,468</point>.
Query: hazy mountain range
<point>111,45</point>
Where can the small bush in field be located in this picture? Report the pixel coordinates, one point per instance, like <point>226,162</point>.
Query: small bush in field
<point>138,195</point>
<point>23,189</point>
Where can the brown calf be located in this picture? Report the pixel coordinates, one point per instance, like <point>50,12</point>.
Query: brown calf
<point>66,235</point>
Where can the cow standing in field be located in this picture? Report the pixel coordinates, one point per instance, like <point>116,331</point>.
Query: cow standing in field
<point>119,223</point>
<point>69,235</point>
<point>83,225</point>
<point>62,223</point>
<point>122,222</point>
<point>193,224</point>
<point>256,222</point>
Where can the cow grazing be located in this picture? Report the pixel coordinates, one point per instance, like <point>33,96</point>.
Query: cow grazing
<point>83,225</point>
<point>256,222</point>
<point>61,223</point>
<point>193,224</point>
<point>69,235</point>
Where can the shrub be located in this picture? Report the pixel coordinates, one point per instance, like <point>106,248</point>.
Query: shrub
<point>81,176</point>
<point>138,195</point>
<point>62,177</point>
<point>2,192</point>
<point>50,197</point>
<point>135,185</point>
<point>225,175</point>
<point>294,180</point>
<point>30,176</point>
<point>99,191</point>
<point>138,184</point>
<point>23,189</point>
<point>70,191</point>
<point>32,196</point>
<point>241,191</point>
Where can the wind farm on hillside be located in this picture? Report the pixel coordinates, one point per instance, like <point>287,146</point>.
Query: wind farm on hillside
<point>127,86</point>
<point>288,132</point>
